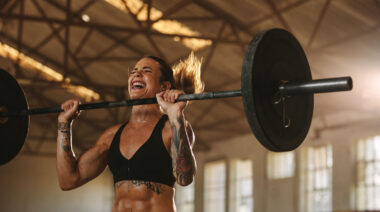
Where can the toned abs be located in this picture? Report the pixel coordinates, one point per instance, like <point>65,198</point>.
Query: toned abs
<point>143,196</point>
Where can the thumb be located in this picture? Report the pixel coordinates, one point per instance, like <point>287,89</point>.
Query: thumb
<point>159,96</point>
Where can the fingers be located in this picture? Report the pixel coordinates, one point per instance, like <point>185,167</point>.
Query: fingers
<point>160,97</point>
<point>70,110</point>
<point>171,95</point>
<point>70,105</point>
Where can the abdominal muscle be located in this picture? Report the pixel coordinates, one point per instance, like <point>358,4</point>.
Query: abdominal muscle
<point>143,196</point>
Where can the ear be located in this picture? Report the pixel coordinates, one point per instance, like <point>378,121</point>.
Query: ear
<point>166,85</point>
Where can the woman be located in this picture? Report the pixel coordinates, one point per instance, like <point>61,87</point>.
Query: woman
<point>148,153</point>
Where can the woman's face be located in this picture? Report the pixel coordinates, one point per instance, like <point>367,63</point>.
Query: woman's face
<point>144,80</point>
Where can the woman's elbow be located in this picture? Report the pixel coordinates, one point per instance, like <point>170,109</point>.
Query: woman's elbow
<point>68,184</point>
<point>185,180</point>
<point>65,186</point>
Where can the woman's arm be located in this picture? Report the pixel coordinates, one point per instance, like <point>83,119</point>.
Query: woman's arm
<point>73,172</point>
<point>184,165</point>
<point>182,138</point>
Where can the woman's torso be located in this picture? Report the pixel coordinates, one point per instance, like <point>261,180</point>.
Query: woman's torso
<point>141,164</point>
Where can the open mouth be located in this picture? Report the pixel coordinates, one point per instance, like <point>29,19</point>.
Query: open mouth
<point>138,85</point>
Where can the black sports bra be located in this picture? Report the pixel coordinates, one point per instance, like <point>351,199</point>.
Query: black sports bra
<point>151,162</point>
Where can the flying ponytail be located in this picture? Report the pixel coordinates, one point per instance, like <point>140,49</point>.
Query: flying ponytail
<point>186,75</point>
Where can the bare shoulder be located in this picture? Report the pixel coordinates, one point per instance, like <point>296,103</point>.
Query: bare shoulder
<point>107,136</point>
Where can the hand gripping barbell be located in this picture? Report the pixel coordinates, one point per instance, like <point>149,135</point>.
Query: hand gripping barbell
<point>277,90</point>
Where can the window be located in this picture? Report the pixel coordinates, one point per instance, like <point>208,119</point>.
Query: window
<point>241,186</point>
<point>316,177</point>
<point>368,174</point>
<point>280,165</point>
<point>184,198</point>
<point>215,186</point>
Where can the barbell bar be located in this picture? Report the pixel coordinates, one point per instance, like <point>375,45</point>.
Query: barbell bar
<point>313,86</point>
<point>277,91</point>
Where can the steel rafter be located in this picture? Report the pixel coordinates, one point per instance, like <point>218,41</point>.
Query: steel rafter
<point>318,24</point>
<point>278,15</point>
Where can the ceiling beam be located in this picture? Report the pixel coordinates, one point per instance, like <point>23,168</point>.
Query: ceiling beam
<point>283,10</point>
<point>347,38</point>
<point>223,15</point>
<point>318,24</point>
<point>278,14</point>
<point>20,33</point>
<point>55,64</point>
<point>173,9</point>
<point>213,47</point>
<point>104,27</point>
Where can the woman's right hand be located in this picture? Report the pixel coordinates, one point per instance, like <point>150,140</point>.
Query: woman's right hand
<point>70,110</point>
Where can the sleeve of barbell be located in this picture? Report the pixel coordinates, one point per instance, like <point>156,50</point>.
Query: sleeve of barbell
<point>210,95</point>
<point>317,86</point>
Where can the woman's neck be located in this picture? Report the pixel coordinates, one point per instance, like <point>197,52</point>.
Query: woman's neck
<point>145,113</point>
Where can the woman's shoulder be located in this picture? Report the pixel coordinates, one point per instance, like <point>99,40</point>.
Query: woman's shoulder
<point>107,136</point>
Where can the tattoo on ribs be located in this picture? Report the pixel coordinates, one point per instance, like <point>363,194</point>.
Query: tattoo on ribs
<point>155,187</point>
<point>119,184</point>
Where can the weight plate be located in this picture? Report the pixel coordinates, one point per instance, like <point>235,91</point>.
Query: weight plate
<point>13,130</point>
<point>272,56</point>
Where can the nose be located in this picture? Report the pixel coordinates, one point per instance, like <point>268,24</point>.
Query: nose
<point>138,72</point>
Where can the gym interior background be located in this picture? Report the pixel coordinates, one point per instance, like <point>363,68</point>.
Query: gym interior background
<point>61,49</point>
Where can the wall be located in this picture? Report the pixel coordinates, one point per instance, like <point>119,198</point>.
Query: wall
<point>30,184</point>
<point>283,195</point>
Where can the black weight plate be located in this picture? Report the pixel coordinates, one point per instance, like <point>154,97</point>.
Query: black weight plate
<point>13,132</point>
<point>272,56</point>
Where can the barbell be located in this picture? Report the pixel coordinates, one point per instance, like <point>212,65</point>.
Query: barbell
<point>276,87</point>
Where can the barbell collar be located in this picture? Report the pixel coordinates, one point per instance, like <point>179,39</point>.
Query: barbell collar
<point>316,86</point>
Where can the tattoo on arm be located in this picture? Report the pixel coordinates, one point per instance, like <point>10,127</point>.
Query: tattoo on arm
<point>178,134</point>
<point>183,159</point>
<point>64,128</point>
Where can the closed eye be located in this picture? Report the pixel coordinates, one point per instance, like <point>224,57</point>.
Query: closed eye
<point>145,69</point>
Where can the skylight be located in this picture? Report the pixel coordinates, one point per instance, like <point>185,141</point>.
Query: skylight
<point>139,8</point>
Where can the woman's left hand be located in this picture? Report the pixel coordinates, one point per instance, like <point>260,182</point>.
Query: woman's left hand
<point>167,100</point>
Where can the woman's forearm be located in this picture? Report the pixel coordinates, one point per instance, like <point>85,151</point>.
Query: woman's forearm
<point>184,165</point>
<point>66,161</point>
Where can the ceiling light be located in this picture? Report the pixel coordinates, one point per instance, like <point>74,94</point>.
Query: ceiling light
<point>46,72</point>
<point>85,18</point>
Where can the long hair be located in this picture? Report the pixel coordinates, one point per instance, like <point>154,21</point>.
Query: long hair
<point>186,75</point>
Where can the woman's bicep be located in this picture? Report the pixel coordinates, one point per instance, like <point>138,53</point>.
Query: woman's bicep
<point>93,162</point>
